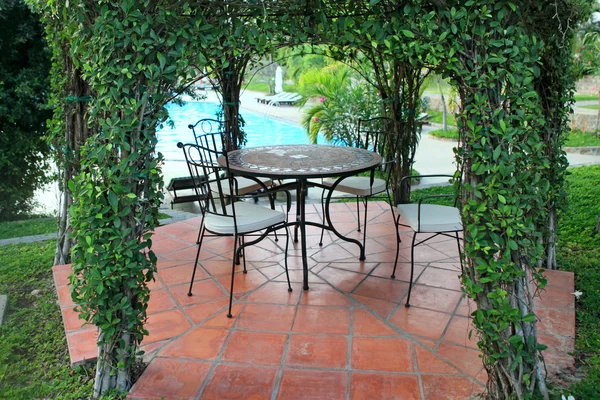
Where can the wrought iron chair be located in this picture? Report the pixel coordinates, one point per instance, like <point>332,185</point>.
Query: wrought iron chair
<point>224,214</point>
<point>427,218</point>
<point>242,185</point>
<point>379,135</point>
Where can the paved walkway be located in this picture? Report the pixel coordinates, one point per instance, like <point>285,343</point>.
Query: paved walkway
<point>348,337</point>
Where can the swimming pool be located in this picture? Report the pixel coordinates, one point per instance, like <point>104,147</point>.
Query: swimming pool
<point>260,129</point>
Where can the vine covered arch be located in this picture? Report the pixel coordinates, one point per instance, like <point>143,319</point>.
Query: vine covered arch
<point>509,62</point>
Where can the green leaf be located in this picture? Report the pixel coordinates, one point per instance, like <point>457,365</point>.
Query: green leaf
<point>529,318</point>
<point>162,60</point>
<point>408,33</point>
<point>112,199</point>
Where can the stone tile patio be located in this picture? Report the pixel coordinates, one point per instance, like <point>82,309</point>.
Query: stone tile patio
<point>348,337</point>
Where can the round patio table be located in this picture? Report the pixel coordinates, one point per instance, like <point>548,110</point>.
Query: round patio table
<point>301,162</point>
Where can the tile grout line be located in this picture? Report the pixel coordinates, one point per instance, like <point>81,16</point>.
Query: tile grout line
<point>416,368</point>
<point>286,348</point>
<point>401,302</point>
<point>349,356</point>
<point>217,361</point>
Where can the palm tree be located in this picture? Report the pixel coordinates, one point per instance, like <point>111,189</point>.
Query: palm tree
<point>341,101</point>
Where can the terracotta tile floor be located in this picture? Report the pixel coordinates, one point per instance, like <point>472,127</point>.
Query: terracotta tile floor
<point>348,337</point>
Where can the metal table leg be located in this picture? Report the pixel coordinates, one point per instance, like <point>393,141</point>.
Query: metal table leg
<point>302,222</point>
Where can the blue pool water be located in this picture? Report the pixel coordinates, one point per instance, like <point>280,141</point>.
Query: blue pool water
<point>260,129</point>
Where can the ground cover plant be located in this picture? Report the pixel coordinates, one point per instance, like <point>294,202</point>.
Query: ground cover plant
<point>442,134</point>
<point>577,138</point>
<point>34,361</point>
<point>35,226</point>
<point>437,117</point>
<point>585,97</point>
<point>591,106</point>
<point>579,252</point>
<point>27,227</point>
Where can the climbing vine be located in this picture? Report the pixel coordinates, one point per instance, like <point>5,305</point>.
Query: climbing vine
<point>133,56</point>
<point>507,193</point>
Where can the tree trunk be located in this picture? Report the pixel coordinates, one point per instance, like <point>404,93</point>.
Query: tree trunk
<point>76,132</point>
<point>444,114</point>
<point>551,240</point>
<point>230,84</point>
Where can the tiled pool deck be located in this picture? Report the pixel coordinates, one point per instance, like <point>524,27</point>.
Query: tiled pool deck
<point>348,337</point>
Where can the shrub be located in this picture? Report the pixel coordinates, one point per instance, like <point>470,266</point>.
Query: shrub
<point>24,68</point>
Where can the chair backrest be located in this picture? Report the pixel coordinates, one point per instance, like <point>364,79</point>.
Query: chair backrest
<point>212,182</point>
<point>381,136</point>
<point>207,126</point>
<point>408,180</point>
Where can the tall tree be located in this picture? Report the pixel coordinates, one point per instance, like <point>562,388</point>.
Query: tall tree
<point>24,84</point>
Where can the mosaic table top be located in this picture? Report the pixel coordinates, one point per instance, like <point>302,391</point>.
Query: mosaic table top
<point>301,161</point>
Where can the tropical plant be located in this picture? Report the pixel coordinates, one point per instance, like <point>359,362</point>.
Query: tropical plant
<point>341,100</point>
<point>301,59</point>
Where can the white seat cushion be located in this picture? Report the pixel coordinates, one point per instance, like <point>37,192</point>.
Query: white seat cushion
<point>250,218</point>
<point>244,185</point>
<point>358,185</point>
<point>434,218</point>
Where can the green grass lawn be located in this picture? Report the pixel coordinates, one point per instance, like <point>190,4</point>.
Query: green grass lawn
<point>34,361</point>
<point>577,138</point>
<point>578,250</point>
<point>585,97</point>
<point>256,86</point>
<point>591,106</point>
<point>27,227</point>
<point>449,134</point>
<point>437,117</point>
<point>41,226</point>
<point>264,87</point>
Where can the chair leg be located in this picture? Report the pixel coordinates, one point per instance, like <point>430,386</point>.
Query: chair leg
<point>287,242</point>
<point>366,202</point>
<point>272,202</point>
<point>460,259</point>
<point>200,237</point>
<point>243,241</point>
<point>412,269</point>
<point>235,242</point>
<point>358,213</point>
<point>398,241</point>
<point>323,215</point>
